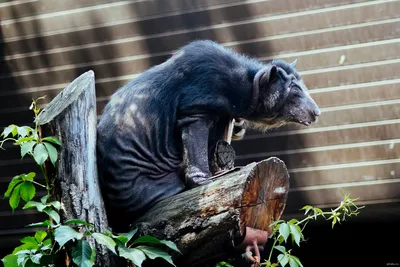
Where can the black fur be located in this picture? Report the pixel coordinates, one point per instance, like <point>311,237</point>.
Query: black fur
<point>155,135</point>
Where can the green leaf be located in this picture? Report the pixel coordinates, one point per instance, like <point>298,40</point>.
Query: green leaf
<point>15,197</point>
<point>283,259</point>
<point>334,221</point>
<point>56,204</point>
<point>280,248</point>
<point>36,258</point>
<point>39,224</point>
<point>24,247</point>
<point>14,131</point>
<point>47,242</point>
<point>307,209</point>
<point>76,221</point>
<point>154,252</point>
<point>135,255</point>
<point>296,233</point>
<point>125,237</point>
<point>40,236</point>
<point>40,154</point>
<point>146,239</point>
<point>27,191</point>
<point>275,223</point>
<point>10,260</point>
<point>22,252</point>
<point>15,180</point>
<point>63,234</point>
<point>297,260</point>
<point>53,154</point>
<point>22,259</point>
<point>44,199</point>
<point>53,214</point>
<point>22,131</point>
<point>105,241</point>
<point>171,245</point>
<point>30,242</point>
<point>281,239</point>
<point>82,254</point>
<point>8,130</point>
<point>25,139</point>
<point>34,204</point>
<point>292,262</point>
<point>29,176</point>
<point>317,212</point>
<point>27,147</point>
<point>284,230</point>
<point>52,139</point>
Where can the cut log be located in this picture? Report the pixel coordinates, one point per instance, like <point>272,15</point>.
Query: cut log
<point>207,222</point>
<point>71,116</point>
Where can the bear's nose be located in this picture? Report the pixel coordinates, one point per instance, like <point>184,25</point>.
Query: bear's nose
<point>317,112</point>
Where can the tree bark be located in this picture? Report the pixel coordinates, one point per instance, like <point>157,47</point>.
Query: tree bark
<point>72,117</point>
<point>208,222</point>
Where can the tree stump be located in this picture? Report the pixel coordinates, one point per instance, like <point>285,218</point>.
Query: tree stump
<point>208,221</point>
<point>72,117</point>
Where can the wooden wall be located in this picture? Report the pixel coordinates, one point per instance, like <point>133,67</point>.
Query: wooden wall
<point>347,51</point>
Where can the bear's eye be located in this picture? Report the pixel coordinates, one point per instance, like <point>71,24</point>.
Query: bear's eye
<point>295,91</point>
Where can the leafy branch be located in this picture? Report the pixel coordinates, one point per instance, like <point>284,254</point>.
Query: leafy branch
<point>45,246</point>
<point>283,230</point>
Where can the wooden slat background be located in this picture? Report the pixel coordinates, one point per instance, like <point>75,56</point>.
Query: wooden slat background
<point>355,145</point>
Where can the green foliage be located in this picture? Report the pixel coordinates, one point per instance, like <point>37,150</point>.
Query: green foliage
<point>82,254</point>
<point>282,230</point>
<point>43,248</point>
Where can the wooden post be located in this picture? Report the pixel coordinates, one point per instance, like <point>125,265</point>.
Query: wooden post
<point>208,221</point>
<point>72,117</point>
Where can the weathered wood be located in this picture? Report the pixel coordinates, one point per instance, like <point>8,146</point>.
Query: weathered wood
<point>71,116</point>
<point>208,221</point>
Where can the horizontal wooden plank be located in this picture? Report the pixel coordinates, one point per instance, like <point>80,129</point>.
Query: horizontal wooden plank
<point>112,68</point>
<point>351,54</point>
<point>34,8</point>
<point>345,173</point>
<point>210,25</point>
<point>14,167</point>
<point>385,110</point>
<point>72,15</point>
<point>19,218</point>
<point>330,155</point>
<point>117,12</point>
<point>108,86</point>
<point>275,144</point>
<point>333,196</point>
<point>361,93</point>
<point>359,73</point>
<point>333,36</point>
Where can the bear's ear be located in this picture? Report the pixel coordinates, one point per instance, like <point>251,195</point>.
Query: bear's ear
<point>293,64</point>
<point>268,75</point>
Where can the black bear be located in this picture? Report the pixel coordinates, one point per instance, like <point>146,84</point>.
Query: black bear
<point>156,133</point>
